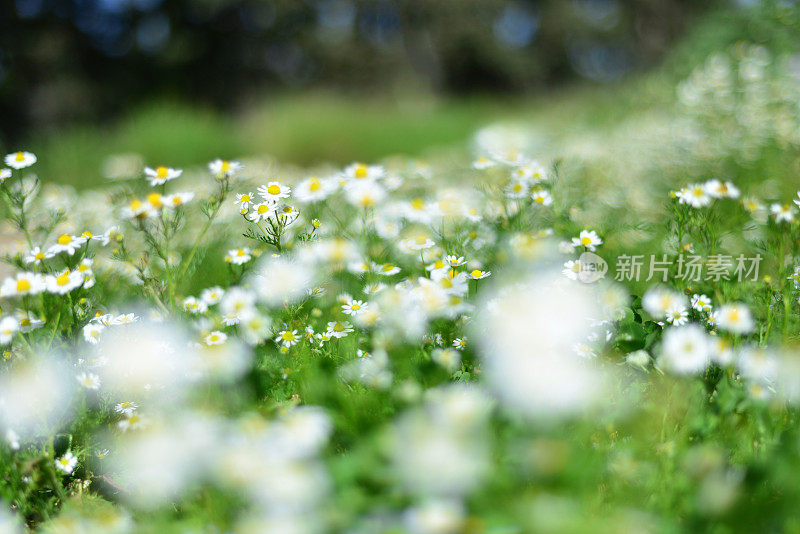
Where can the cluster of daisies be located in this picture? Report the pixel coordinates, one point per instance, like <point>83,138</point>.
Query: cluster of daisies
<point>701,195</point>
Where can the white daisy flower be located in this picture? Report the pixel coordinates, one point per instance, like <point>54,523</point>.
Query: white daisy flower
<point>339,329</point>
<point>67,243</point>
<point>67,463</point>
<point>8,327</point>
<point>274,191</point>
<point>221,168</point>
<point>194,305</point>
<point>89,380</point>
<point>161,175</point>
<point>63,282</point>
<point>588,239</point>
<point>215,338</point>
<point>212,295</point>
<point>22,284</point>
<point>20,160</point>
<point>735,318</point>
<point>239,256</point>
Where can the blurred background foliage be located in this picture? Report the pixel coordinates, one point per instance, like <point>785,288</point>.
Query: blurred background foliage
<point>182,81</point>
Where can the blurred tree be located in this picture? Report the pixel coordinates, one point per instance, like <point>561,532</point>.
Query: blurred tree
<point>68,60</point>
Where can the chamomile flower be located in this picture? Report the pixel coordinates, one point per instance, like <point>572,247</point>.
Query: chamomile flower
<point>5,174</point>
<point>126,408</point>
<point>132,421</point>
<point>67,463</point>
<point>8,327</point>
<point>89,381</point>
<point>161,175</point>
<point>387,269</point>
<point>239,256</point>
<point>365,194</point>
<point>194,305</point>
<point>542,197</point>
<point>287,338</point>
<point>212,295</point>
<point>354,307</point>
<point>314,189</point>
<point>363,172</point>
<point>588,239</point>
<point>20,160</point>
<point>454,261</point>
<point>176,200</point>
<point>339,329</point>
<point>460,343</point>
<point>782,212</point>
<point>678,315</point>
<point>448,358</point>
<point>483,163</point>
<point>262,211</point>
<point>221,168</point>
<point>418,243</point>
<point>244,200</point>
<point>28,321</point>
<point>517,189</point>
<point>36,256</point>
<point>67,243</point>
<point>718,189</point>
<point>64,282</point>
<point>22,284</point>
<point>735,318</point>
<point>137,209</point>
<point>701,303</point>
<point>215,338</point>
<point>92,331</point>
<point>274,191</point>
<point>477,274</point>
<point>694,195</point>
<point>686,349</point>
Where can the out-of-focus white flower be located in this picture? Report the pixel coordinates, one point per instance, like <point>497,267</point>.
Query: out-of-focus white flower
<point>658,301</point>
<point>438,516</point>
<point>281,280</point>
<point>221,168</point>
<point>526,331</point>
<point>161,175</point>
<point>735,318</point>
<point>685,349</point>
<point>35,396</point>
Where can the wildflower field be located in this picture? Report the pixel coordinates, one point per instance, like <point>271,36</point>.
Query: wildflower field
<point>583,330</point>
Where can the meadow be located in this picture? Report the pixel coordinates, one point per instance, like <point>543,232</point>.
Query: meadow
<point>578,314</point>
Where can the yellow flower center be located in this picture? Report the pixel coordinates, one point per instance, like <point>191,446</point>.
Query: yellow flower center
<point>87,234</point>
<point>155,199</point>
<point>136,205</point>
<point>226,166</point>
<point>274,189</point>
<point>387,267</point>
<point>338,327</point>
<point>245,198</point>
<point>20,156</point>
<point>162,172</point>
<point>361,171</point>
<point>40,256</point>
<point>476,273</point>
<point>262,209</point>
<point>417,203</point>
<point>585,241</point>
<point>538,199</point>
<point>355,307</point>
<point>421,240</point>
<point>63,279</point>
<point>517,188</point>
<point>288,336</point>
<point>315,185</point>
<point>23,285</point>
<point>64,239</point>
